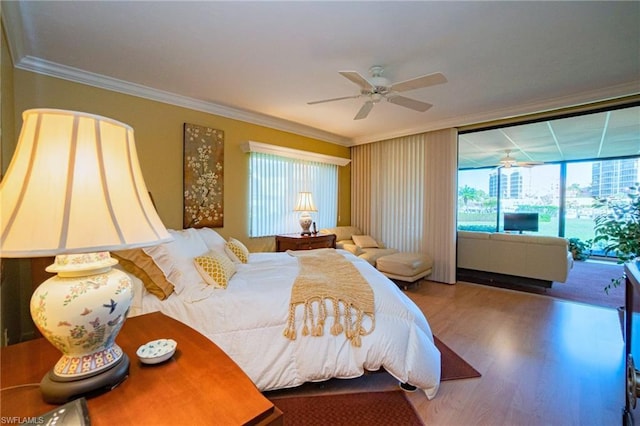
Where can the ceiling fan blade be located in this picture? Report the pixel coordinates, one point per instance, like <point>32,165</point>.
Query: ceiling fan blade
<point>356,78</point>
<point>409,103</point>
<point>364,111</point>
<point>333,99</point>
<point>419,82</point>
<point>529,163</point>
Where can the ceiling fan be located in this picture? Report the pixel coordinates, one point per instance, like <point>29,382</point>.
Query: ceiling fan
<point>508,161</point>
<point>377,87</point>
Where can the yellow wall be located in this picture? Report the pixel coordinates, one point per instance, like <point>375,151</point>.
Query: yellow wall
<point>158,131</point>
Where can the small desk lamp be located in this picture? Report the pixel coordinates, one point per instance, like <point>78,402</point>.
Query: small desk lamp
<point>305,205</point>
<point>74,189</point>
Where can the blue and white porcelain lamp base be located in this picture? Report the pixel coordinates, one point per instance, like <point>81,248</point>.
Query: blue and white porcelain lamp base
<point>80,311</point>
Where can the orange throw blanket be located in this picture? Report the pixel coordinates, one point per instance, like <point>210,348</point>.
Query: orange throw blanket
<point>326,275</point>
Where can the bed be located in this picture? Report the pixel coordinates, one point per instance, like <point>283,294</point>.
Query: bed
<point>248,316</point>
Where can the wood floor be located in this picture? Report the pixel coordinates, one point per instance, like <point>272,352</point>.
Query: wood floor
<point>543,361</point>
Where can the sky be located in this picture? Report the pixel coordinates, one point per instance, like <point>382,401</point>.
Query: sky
<point>542,176</point>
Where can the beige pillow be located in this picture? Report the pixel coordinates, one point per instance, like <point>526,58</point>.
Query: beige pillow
<point>237,251</point>
<point>215,268</point>
<point>364,241</point>
<point>352,248</point>
<point>142,266</point>
<point>342,232</point>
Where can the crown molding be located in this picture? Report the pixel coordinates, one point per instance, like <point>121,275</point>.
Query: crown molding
<point>580,99</point>
<point>15,29</point>
<point>52,69</point>
<point>12,22</point>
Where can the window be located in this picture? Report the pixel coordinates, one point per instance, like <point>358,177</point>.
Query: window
<point>577,155</point>
<point>485,195</point>
<point>478,199</point>
<point>533,190</point>
<point>275,182</point>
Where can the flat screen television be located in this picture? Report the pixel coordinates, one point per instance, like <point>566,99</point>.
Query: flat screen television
<point>521,222</point>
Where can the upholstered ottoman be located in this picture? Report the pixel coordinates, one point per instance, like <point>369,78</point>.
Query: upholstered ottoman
<point>405,267</point>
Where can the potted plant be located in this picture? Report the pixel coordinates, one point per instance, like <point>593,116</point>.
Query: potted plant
<point>579,249</point>
<point>618,227</point>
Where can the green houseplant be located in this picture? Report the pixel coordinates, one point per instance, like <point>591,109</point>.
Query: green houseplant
<point>580,250</point>
<point>618,227</point>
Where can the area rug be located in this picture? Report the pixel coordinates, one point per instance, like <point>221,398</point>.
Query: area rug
<point>366,409</point>
<point>453,366</point>
<point>586,283</point>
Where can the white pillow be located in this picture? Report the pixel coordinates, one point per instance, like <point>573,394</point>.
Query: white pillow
<point>212,239</point>
<point>364,241</point>
<point>175,259</point>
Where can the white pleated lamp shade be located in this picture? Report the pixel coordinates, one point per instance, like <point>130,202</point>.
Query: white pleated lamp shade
<point>304,203</point>
<point>74,185</point>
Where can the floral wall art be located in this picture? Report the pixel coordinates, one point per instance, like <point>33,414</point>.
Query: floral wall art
<point>203,177</point>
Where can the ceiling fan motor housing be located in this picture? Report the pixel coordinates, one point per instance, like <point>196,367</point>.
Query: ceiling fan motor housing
<point>381,84</point>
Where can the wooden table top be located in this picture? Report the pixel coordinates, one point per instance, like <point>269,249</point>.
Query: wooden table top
<point>199,384</point>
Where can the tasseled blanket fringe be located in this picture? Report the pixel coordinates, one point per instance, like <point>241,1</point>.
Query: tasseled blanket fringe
<point>326,276</point>
<point>314,320</point>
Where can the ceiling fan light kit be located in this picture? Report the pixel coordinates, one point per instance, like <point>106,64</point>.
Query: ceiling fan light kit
<point>377,87</point>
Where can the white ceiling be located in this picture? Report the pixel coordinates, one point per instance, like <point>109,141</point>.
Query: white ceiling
<point>262,62</point>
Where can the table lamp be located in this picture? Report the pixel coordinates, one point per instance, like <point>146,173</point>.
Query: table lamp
<point>74,190</point>
<point>305,205</point>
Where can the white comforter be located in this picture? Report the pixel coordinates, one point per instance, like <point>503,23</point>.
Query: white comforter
<point>247,321</point>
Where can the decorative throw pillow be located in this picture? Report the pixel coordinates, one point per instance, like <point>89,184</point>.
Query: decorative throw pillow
<point>142,266</point>
<point>364,241</point>
<point>237,251</point>
<point>215,268</point>
<point>352,248</point>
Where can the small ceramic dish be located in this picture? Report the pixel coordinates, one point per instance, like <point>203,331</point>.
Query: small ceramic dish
<point>156,351</point>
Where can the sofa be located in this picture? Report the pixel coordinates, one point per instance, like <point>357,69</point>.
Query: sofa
<point>352,239</point>
<point>516,258</point>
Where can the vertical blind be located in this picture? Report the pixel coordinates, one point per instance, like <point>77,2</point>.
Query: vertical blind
<point>404,193</point>
<point>275,182</point>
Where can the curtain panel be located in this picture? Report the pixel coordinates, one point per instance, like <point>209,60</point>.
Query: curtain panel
<point>404,193</point>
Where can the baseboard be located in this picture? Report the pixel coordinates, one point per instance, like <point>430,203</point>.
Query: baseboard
<point>502,280</point>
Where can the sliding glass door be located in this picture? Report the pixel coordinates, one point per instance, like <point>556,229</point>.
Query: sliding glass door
<point>561,194</point>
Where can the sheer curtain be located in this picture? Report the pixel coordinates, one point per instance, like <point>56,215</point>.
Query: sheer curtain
<point>404,193</point>
<point>275,182</point>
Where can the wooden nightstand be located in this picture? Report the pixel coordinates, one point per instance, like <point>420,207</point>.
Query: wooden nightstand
<point>305,242</point>
<point>199,384</point>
